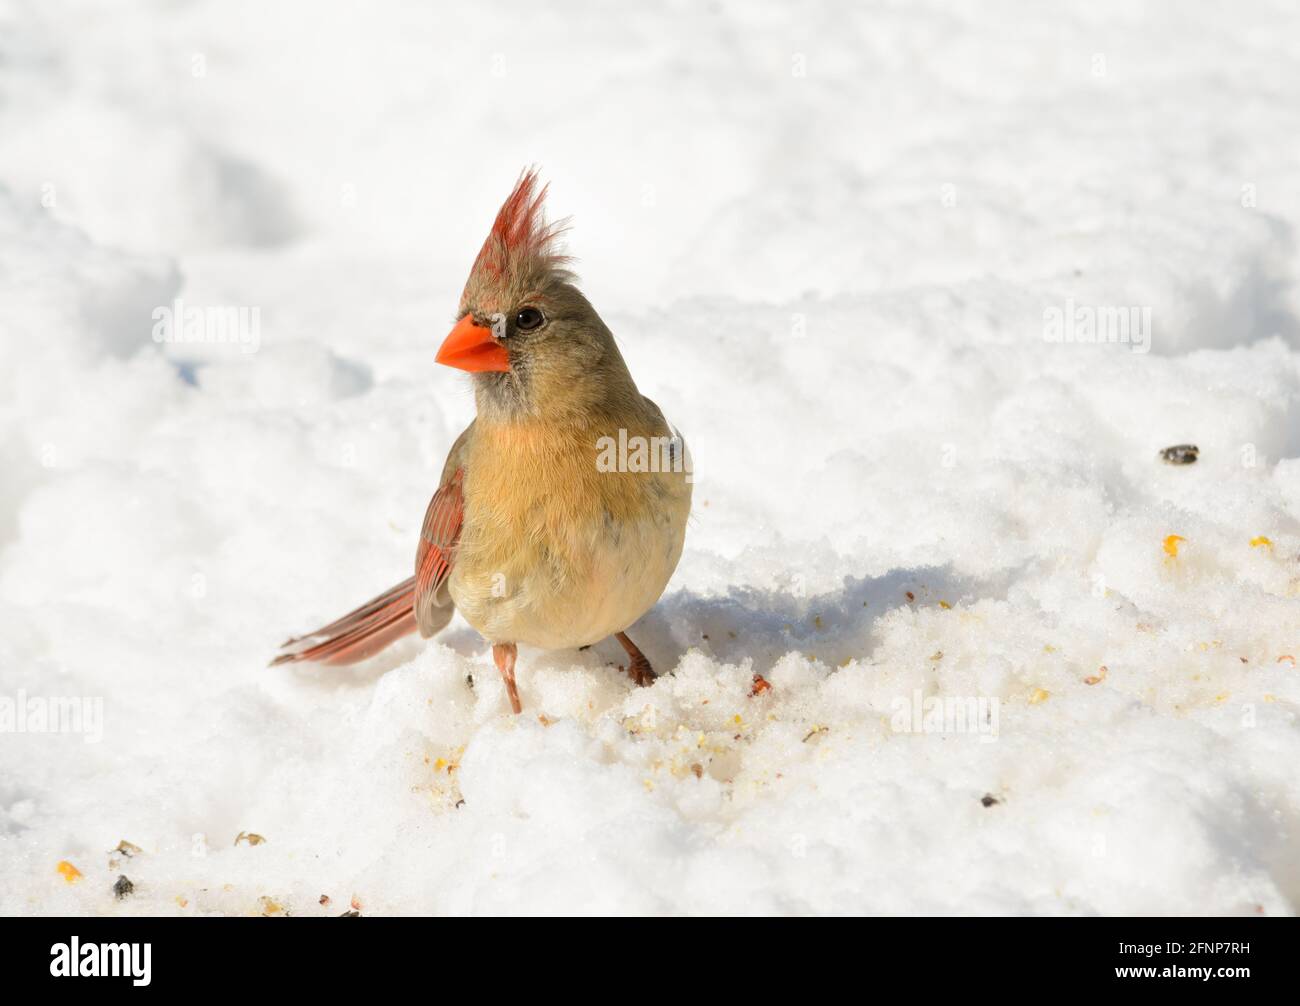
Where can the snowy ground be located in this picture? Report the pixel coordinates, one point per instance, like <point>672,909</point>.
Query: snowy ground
<point>832,240</point>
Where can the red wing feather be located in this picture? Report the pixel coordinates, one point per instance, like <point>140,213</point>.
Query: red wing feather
<point>433,559</point>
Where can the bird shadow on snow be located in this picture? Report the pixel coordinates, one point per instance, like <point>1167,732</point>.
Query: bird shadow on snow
<point>745,623</point>
<point>764,625</point>
<point>360,675</point>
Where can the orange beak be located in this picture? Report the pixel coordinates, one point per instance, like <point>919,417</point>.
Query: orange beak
<point>471,347</point>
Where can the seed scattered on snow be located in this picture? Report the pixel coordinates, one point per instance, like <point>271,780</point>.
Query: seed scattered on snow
<point>989,800</point>
<point>1039,695</point>
<point>127,849</point>
<point>68,872</point>
<point>1259,540</point>
<point>761,685</point>
<point>1098,678</point>
<point>1180,454</point>
<point>122,888</point>
<point>1171,545</point>
<point>1286,658</point>
<point>252,838</point>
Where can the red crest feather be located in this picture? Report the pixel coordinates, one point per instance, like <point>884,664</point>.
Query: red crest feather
<point>521,242</point>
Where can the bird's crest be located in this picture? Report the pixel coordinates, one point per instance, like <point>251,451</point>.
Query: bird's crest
<point>521,246</point>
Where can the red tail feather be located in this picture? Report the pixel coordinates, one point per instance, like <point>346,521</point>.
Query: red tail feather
<point>359,634</point>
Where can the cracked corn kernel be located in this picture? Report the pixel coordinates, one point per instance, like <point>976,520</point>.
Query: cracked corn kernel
<point>68,872</point>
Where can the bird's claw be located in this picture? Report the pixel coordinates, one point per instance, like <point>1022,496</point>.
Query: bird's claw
<point>640,671</point>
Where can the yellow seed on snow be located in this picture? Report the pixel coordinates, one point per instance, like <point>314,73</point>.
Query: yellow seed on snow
<point>1259,540</point>
<point>1039,695</point>
<point>68,872</point>
<point>1171,545</point>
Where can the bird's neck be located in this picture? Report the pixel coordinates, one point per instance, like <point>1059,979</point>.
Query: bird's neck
<point>557,398</point>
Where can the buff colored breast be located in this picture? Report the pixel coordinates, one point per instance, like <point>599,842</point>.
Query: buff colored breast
<point>553,552</point>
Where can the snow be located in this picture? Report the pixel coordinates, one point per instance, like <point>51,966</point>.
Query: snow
<point>829,239</point>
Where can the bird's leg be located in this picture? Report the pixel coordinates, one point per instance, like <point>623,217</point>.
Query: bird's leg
<point>504,654</point>
<point>638,669</point>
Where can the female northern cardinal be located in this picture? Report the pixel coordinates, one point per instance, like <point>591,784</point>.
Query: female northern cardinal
<point>562,508</point>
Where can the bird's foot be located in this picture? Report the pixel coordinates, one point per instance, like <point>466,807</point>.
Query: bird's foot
<point>638,667</point>
<point>640,671</point>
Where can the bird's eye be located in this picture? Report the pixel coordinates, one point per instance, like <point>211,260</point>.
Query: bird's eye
<point>528,319</point>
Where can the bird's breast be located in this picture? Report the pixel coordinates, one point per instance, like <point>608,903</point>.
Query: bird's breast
<point>557,550</point>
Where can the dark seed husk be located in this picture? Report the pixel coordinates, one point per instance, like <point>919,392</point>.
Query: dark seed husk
<point>1180,454</point>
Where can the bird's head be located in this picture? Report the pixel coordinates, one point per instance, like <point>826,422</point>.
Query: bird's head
<point>535,345</point>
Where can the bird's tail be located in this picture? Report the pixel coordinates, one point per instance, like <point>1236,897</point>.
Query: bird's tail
<point>358,634</point>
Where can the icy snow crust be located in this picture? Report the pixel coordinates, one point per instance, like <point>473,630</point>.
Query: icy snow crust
<point>827,237</point>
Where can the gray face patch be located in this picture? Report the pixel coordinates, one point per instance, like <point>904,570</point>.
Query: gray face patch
<point>502,395</point>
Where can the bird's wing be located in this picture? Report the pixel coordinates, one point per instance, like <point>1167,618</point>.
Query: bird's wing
<point>677,450</point>
<point>657,413</point>
<point>438,537</point>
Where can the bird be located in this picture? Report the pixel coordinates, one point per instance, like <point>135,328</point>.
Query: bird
<point>561,511</point>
